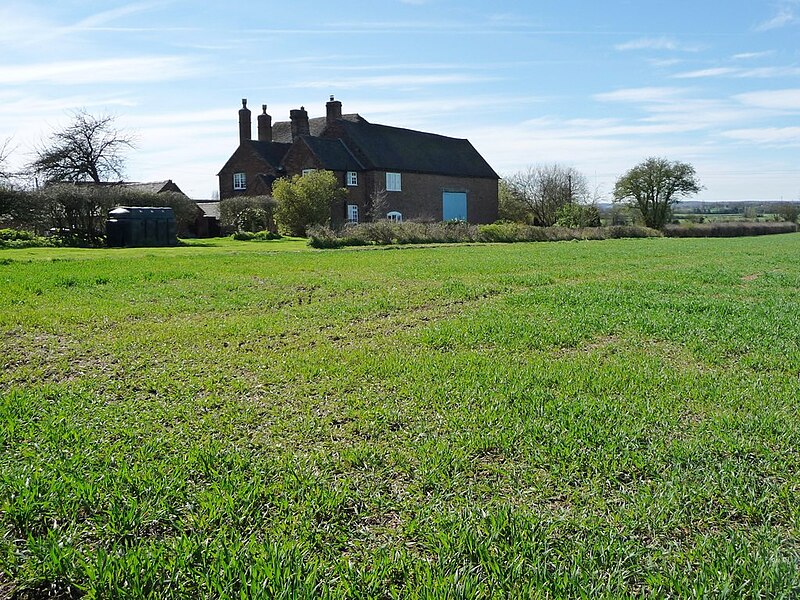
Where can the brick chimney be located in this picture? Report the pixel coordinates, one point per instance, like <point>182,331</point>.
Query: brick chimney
<point>245,125</point>
<point>299,118</point>
<point>264,125</point>
<point>333,111</point>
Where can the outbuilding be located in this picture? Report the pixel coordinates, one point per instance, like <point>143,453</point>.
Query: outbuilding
<point>141,226</point>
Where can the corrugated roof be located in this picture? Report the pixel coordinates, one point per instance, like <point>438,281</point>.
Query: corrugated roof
<point>406,150</point>
<point>282,130</point>
<point>332,153</point>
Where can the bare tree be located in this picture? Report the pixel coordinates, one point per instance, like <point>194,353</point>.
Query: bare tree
<point>89,149</point>
<point>5,151</point>
<point>545,189</point>
<point>378,203</point>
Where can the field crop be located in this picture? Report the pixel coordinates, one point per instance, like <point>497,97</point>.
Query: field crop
<point>239,420</point>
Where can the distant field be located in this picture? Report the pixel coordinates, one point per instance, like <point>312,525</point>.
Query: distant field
<point>234,420</point>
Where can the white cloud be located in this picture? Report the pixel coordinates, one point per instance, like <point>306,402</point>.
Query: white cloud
<point>406,82</point>
<point>740,73</point>
<point>715,72</point>
<point>788,99</point>
<point>659,43</point>
<point>752,55</point>
<point>645,94</point>
<point>772,136</point>
<point>113,70</point>
<point>786,16</point>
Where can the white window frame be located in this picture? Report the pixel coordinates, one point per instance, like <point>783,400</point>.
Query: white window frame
<point>395,216</point>
<point>394,182</point>
<point>352,178</point>
<point>239,181</point>
<point>352,213</point>
<point>307,171</point>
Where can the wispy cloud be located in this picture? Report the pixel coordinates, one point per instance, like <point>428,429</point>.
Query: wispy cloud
<point>644,94</point>
<point>406,82</point>
<point>741,73</point>
<point>121,70</point>
<point>752,55</point>
<point>770,136</point>
<point>713,72</point>
<point>784,100</point>
<point>785,16</point>
<point>658,43</point>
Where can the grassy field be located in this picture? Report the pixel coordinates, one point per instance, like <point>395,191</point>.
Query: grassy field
<point>259,420</point>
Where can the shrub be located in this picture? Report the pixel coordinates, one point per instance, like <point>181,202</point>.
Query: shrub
<point>729,229</point>
<point>247,213</point>
<point>14,238</point>
<point>259,236</point>
<point>578,215</point>
<point>385,232</point>
<point>303,201</point>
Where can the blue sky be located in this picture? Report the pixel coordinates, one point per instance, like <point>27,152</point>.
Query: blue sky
<point>594,85</point>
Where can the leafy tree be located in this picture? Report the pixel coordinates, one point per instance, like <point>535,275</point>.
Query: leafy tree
<point>247,213</point>
<point>88,149</point>
<point>653,186</point>
<point>305,201</point>
<point>544,189</point>
<point>578,215</point>
<point>788,211</point>
<point>511,205</point>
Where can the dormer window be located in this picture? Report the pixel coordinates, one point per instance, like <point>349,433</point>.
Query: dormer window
<point>239,181</point>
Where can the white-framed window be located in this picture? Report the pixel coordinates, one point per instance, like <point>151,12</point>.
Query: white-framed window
<point>307,171</point>
<point>395,216</point>
<point>352,213</point>
<point>239,181</point>
<point>393,182</point>
<point>352,178</point>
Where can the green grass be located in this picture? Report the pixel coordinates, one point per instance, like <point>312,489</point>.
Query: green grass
<point>237,420</point>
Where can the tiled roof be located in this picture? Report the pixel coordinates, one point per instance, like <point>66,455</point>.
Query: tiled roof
<point>271,152</point>
<point>210,208</point>
<point>282,130</point>
<point>332,153</point>
<point>406,150</point>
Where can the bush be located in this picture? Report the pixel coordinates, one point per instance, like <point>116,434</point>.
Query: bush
<point>306,201</point>
<point>14,238</point>
<point>259,236</point>
<point>385,232</point>
<point>578,215</point>
<point>247,214</point>
<point>729,229</point>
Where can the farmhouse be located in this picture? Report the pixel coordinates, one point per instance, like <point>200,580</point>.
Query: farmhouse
<point>389,172</point>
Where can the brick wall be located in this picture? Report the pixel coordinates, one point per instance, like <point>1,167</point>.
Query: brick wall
<point>421,196</point>
<point>244,160</point>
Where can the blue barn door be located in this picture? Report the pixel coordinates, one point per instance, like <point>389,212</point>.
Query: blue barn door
<point>454,206</point>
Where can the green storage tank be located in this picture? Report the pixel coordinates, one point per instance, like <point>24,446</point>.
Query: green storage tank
<point>141,226</point>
